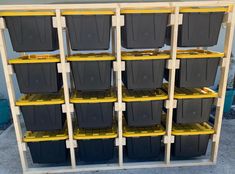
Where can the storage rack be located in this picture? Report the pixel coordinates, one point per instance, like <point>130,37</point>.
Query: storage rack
<point>172,65</point>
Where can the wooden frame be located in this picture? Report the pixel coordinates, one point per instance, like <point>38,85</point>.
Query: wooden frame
<point>120,106</point>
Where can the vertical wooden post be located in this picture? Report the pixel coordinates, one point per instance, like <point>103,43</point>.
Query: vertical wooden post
<point>119,84</point>
<point>65,75</point>
<point>223,84</point>
<point>171,84</point>
<point>11,95</point>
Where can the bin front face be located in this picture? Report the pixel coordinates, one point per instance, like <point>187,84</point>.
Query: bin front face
<point>38,78</point>
<point>96,150</point>
<point>146,113</point>
<point>143,148</point>
<point>48,152</point>
<point>188,146</point>
<point>198,29</point>
<point>92,75</point>
<point>144,30</point>
<point>32,33</point>
<point>94,115</point>
<point>91,32</point>
<point>195,73</point>
<point>43,117</point>
<point>144,74</point>
<point>193,110</point>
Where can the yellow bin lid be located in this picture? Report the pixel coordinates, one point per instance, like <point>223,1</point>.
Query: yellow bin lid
<point>145,55</point>
<point>192,129</point>
<point>194,54</point>
<point>87,12</point>
<point>45,136</point>
<point>27,13</point>
<point>94,97</point>
<point>88,134</point>
<point>203,9</point>
<point>91,57</point>
<point>186,93</point>
<point>44,58</point>
<point>192,93</point>
<point>145,95</point>
<point>41,99</point>
<point>157,130</point>
<point>150,10</point>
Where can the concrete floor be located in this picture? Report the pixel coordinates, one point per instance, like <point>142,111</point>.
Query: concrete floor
<point>10,163</point>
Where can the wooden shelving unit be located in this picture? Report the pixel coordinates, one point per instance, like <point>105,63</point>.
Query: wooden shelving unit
<point>172,64</point>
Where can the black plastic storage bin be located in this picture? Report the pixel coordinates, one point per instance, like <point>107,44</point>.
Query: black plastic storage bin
<point>144,70</point>
<point>143,143</point>
<point>31,31</point>
<point>193,104</point>
<point>200,27</point>
<point>89,30</point>
<point>92,72</point>
<point>94,109</point>
<point>144,28</point>
<point>42,112</point>
<point>47,147</point>
<point>95,145</point>
<point>143,108</point>
<point>191,140</point>
<point>37,73</point>
<point>198,68</point>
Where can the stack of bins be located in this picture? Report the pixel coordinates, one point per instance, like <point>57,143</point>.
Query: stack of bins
<point>41,104</point>
<point>143,76</point>
<point>93,96</point>
<point>94,113</point>
<point>39,81</point>
<point>190,117</point>
<point>143,117</point>
<point>144,100</point>
<point>200,28</point>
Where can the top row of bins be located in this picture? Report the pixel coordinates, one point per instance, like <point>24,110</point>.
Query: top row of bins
<point>90,30</point>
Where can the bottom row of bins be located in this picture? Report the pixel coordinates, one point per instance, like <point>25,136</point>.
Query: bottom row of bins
<point>98,145</point>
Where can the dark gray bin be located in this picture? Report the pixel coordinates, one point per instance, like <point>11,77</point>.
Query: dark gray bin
<point>195,73</point>
<point>141,114</point>
<point>43,117</point>
<point>144,30</point>
<point>96,150</point>
<point>198,29</point>
<point>192,110</point>
<point>144,74</point>
<point>38,77</point>
<point>47,152</point>
<point>94,115</point>
<point>91,32</point>
<point>92,75</point>
<point>32,33</point>
<point>143,148</point>
<point>188,146</point>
